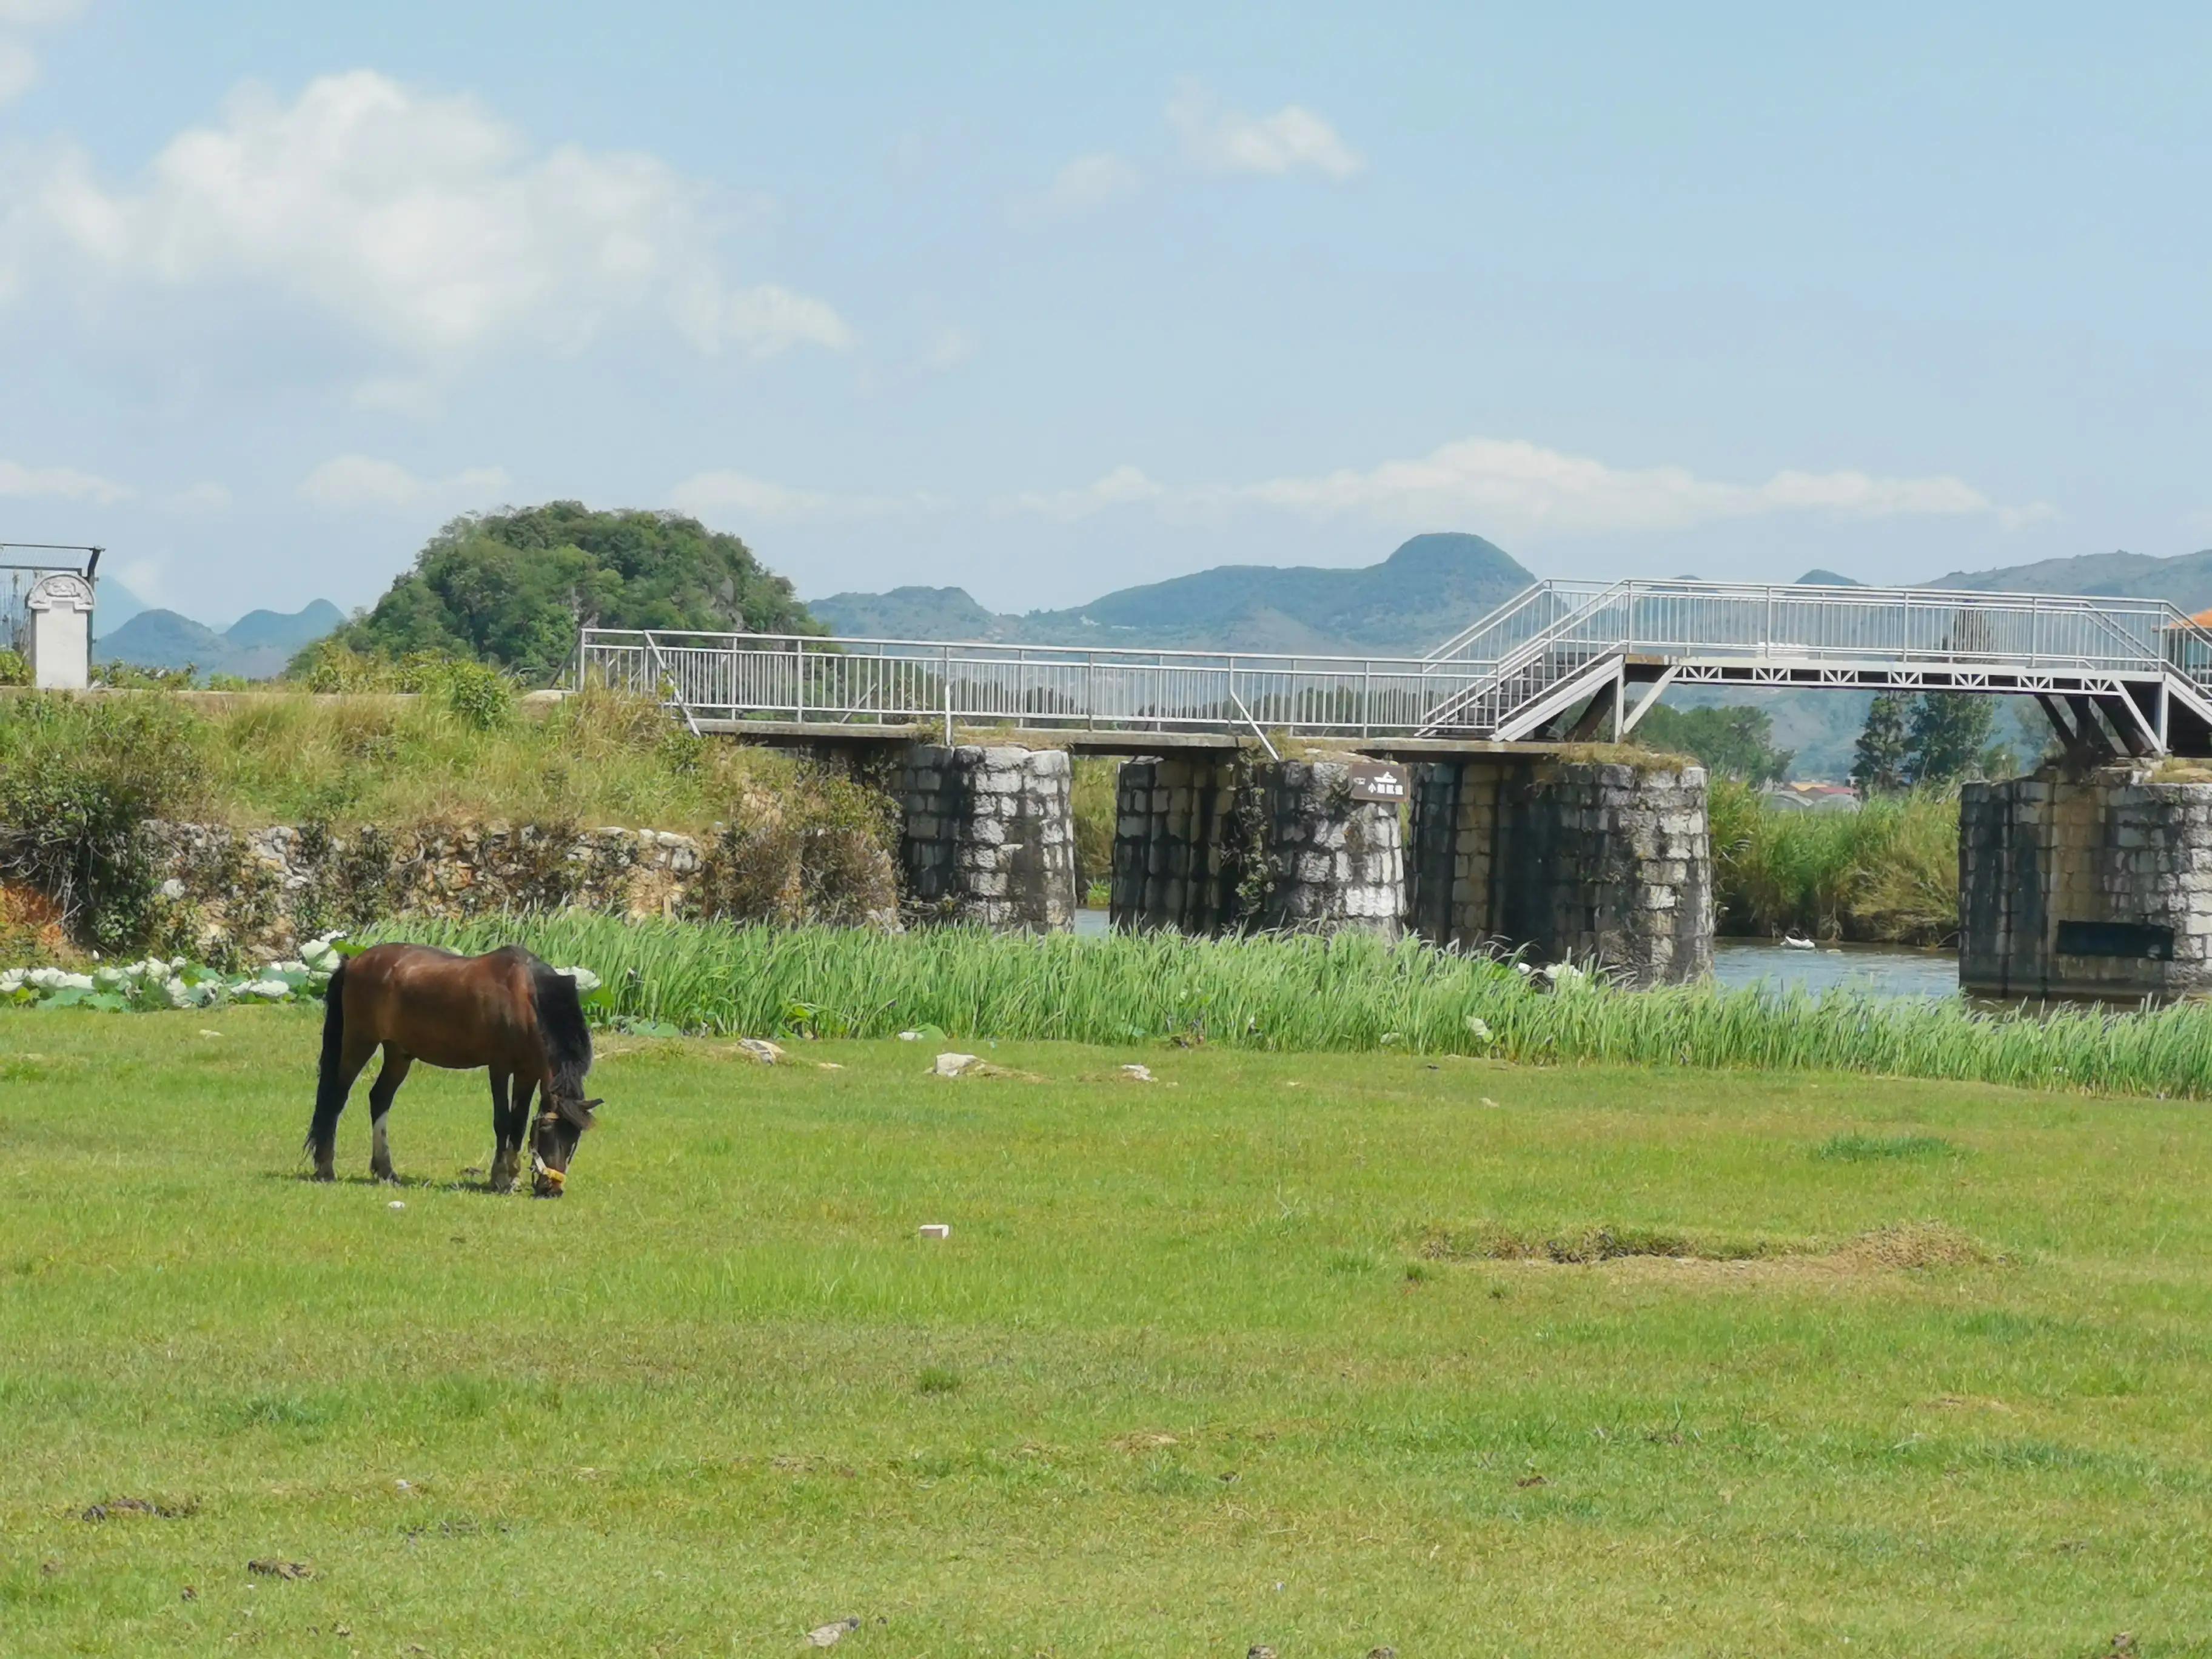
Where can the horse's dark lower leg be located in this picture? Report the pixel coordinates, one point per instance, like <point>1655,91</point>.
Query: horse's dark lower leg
<point>507,1154</point>
<point>342,1065</point>
<point>514,1131</point>
<point>389,1077</point>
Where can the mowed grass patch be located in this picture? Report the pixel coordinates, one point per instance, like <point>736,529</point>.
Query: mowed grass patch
<point>1169,1385</point>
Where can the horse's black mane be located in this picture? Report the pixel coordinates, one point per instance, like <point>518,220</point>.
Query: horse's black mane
<point>561,1024</point>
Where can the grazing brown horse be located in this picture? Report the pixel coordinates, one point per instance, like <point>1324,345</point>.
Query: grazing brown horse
<point>507,1011</point>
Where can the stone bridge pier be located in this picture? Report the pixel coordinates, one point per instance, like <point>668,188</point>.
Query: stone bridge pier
<point>988,836</point>
<point>1571,860</point>
<point>1592,862</point>
<point>2097,884</point>
<point>1215,843</point>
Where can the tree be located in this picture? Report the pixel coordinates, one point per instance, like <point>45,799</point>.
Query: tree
<point>1735,742</point>
<point>514,588</point>
<point>1879,765</point>
<point>1947,734</point>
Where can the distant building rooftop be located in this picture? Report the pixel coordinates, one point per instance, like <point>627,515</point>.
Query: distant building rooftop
<point>1813,796</point>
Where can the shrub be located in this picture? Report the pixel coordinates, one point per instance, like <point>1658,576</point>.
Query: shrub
<point>1888,871</point>
<point>78,781</point>
<point>1091,802</point>
<point>15,667</point>
<point>478,696</point>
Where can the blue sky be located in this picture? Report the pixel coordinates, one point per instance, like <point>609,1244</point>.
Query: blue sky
<point>1042,301</point>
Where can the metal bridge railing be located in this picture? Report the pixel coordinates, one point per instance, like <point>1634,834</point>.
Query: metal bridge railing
<point>1499,675</point>
<point>1863,626</point>
<point>758,677</point>
<point>1858,623</point>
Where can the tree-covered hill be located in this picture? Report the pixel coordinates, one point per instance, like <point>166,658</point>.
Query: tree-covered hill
<point>513,588</point>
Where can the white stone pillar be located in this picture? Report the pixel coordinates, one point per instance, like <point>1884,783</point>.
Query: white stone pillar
<point>60,604</point>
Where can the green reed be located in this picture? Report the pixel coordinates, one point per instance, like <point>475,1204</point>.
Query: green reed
<point>1350,993</point>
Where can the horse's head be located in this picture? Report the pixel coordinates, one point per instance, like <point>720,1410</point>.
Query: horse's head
<point>560,1127</point>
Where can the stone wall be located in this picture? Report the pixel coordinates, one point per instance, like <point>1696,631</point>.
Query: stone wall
<point>1573,860</point>
<point>1213,843</point>
<point>229,894</point>
<point>2099,886</point>
<point>989,836</point>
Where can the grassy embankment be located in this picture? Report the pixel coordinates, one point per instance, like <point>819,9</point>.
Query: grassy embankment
<point>280,758</point>
<point>1273,1350</point>
<point>1351,994</point>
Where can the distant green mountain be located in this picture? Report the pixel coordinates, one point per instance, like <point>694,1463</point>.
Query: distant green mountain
<point>909,613</point>
<point>275,630</point>
<point>256,646</point>
<point>1426,592</point>
<point>2184,581</point>
<point>114,605</point>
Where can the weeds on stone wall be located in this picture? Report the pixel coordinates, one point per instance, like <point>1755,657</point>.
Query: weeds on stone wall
<point>823,852</point>
<point>1245,854</point>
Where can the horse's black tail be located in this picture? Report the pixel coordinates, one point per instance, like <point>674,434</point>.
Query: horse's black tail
<point>331,1089</point>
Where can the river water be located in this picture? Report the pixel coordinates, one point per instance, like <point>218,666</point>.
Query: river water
<point>1894,970</point>
<point>1897,970</point>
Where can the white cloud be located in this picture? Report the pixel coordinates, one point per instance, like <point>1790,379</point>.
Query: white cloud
<point>19,68</point>
<point>949,348</point>
<point>427,223</point>
<point>1497,485</point>
<point>1124,486</point>
<point>67,483</point>
<point>199,498</point>
<point>1085,186</point>
<point>761,321</point>
<point>350,481</point>
<point>1229,140</point>
<point>724,492</point>
<point>18,64</point>
<point>1512,483</point>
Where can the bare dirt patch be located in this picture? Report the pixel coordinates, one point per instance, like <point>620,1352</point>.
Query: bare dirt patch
<point>115,1507</point>
<point>1909,1247</point>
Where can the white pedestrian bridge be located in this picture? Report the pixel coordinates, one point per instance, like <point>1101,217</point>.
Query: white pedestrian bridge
<point>1561,660</point>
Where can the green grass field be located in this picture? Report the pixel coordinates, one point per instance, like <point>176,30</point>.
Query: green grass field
<point>1273,1351</point>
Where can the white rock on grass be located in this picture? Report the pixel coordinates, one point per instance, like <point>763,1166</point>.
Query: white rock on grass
<point>762,1051</point>
<point>956,1065</point>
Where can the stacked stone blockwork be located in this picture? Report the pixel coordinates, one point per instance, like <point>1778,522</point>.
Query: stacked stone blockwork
<point>1219,843</point>
<point>2099,887</point>
<point>1589,862</point>
<point>990,836</point>
<point>226,893</point>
